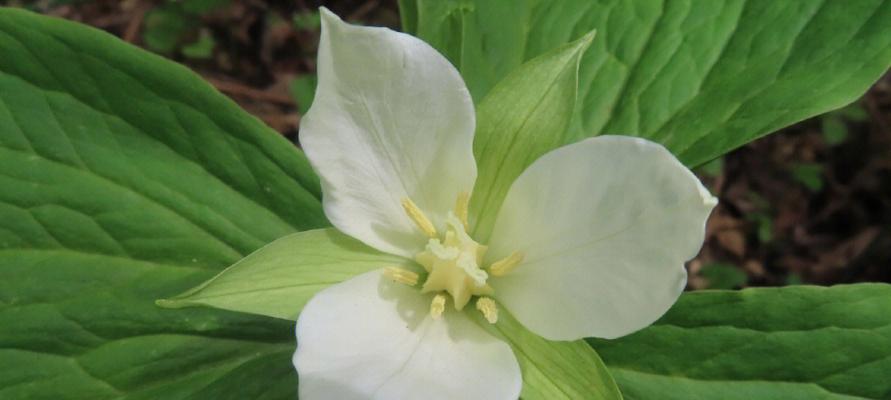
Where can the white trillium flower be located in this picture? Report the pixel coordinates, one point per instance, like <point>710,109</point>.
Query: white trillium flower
<point>590,240</point>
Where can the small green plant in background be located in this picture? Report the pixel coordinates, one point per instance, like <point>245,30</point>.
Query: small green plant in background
<point>308,20</point>
<point>835,123</point>
<point>303,90</point>
<point>303,87</point>
<point>201,48</point>
<point>169,25</point>
<point>723,276</point>
<point>713,168</point>
<point>762,216</point>
<point>808,174</point>
<point>794,279</point>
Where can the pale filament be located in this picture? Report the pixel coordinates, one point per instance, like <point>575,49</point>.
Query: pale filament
<point>402,276</point>
<point>418,217</point>
<point>505,265</point>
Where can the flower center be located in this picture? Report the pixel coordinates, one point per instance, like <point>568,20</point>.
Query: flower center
<point>452,262</point>
<point>453,265</point>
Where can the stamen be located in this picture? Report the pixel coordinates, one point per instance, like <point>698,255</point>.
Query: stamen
<point>507,264</point>
<point>402,276</point>
<point>461,206</point>
<point>489,309</point>
<point>418,217</point>
<point>437,306</point>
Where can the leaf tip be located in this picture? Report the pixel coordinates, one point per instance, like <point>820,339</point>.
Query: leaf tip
<point>589,37</point>
<point>585,41</point>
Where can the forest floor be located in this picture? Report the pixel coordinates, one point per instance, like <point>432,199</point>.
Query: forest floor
<point>808,204</point>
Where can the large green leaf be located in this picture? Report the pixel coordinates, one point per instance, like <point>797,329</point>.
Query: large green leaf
<point>700,77</point>
<point>125,178</point>
<point>789,343</point>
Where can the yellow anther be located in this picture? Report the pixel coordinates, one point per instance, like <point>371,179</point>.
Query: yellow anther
<point>461,208</point>
<point>400,275</point>
<point>418,217</point>
<point>489,309</point>
<point>437,306</point>
<point>505,265</point>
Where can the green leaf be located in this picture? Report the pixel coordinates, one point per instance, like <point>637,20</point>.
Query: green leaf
<point>303,90</point>
<point>77,325</point>
<point>164,28</point>
<point>278,279</point>
<point>308,20</point>
<point>125,178</point>
<point>408,12</point>
<point>801,342</point>
<point>834,129</point>
<point>808,174</point>
<point>765,226</point>
<point>723,276</point>
<point>712,168</point>
<point>794,279</point>
<point>202,48</point>
<point>523,117</point>
<point>555,370</point>
<point>855,112</point>
<point>700,77</point>
<point>199,7</point>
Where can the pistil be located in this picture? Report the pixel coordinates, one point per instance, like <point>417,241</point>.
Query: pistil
<point>461,208</point>
<point>437,306</point>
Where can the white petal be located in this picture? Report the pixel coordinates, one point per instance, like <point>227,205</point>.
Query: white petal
<point>606,225</point>
<point>391,119</point>
<point>370,338</point>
